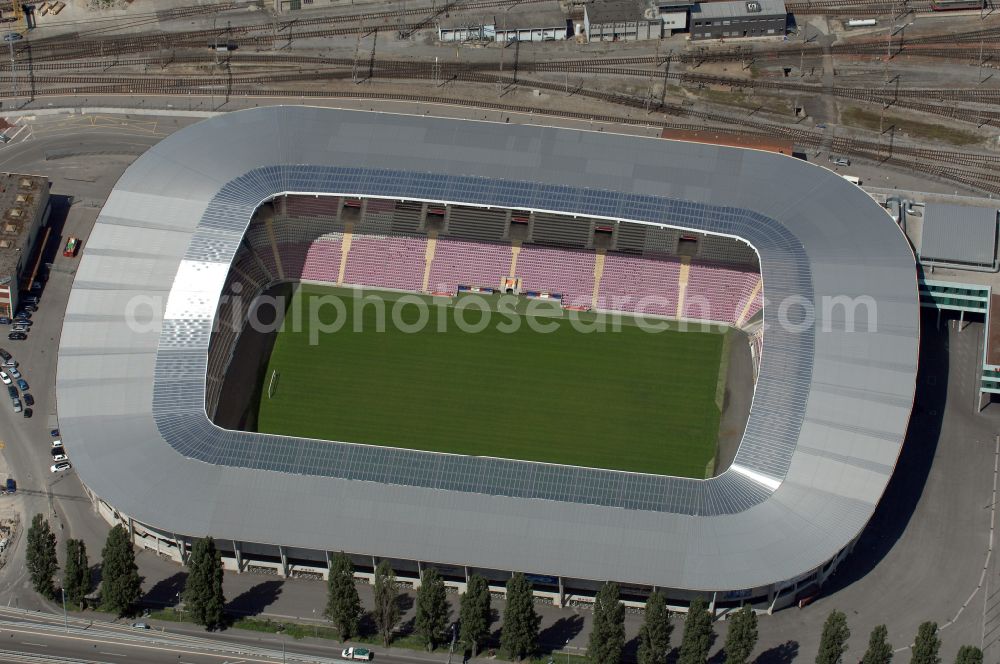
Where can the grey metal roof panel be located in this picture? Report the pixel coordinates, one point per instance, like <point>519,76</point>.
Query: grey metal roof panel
<point>145,445</point>
<point>738,9</point>
<point>959,234</point>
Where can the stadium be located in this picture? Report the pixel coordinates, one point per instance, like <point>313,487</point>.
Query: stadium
<point>573,456</point>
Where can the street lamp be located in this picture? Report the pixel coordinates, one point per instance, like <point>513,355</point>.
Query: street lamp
<point>65,618</point>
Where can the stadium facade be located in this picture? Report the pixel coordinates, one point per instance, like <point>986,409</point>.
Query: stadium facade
<point>832,401</point>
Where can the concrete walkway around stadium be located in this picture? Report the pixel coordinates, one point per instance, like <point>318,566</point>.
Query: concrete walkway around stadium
<point>922,558</point>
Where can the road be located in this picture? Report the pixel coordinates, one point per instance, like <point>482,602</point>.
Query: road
<point>50,636</point>
<point>926,555</point>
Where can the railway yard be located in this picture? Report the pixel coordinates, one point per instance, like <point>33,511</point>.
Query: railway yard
<point>918,92</point>
<point>898,96</point>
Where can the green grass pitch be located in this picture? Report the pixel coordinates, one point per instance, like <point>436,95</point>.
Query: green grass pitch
<point>626,400</point>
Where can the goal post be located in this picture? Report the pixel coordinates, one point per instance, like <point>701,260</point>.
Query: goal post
<point>272,385</point>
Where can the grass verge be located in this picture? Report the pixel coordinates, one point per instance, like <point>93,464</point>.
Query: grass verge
<point>866,119</point>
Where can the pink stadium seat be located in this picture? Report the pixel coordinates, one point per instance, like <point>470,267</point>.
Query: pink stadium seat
<point>322,261</point>
<point>717,293</point>
<point>639,285</point>
<point>390,262</point>
<point>558,271</point>
<point>468,263</point>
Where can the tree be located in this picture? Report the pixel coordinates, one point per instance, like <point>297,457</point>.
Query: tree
<point>203,595</point>
<point>879,649</point>
<point>40,556</point>
<point>343,606</point>
<point>607,636</point>
<point>519,635</point>
<point>969,655</point>
<point>697,634</point>
<point>76,576</point>
<point>927,644</point>
<point>741,638</point>
<point>833,642</point>
<point>121,584</point>
<point>654,636</point>
<point>386,601</point>
<point>431,622</point>
<point>475,616</point>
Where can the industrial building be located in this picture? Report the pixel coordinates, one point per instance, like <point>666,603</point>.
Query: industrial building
<point>960,236</point>
<point>621,20</point>
<point>830,409</point>
<point>24,209</point>
<point>738,19</point>
<point>674,15</point>
<point>546,24</point>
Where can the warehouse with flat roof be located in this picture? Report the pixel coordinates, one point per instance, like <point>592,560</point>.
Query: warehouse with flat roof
<point>739,19</point>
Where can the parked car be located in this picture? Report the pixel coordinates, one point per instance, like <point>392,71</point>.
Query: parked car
<point>30,307</point>
<point>10,362</point>
<point>21,329</point>
<point>5,378</point>
<point>60,467</point>
<point>56,443</point>
<point>72,246</point>
<point>140,625</point>
<point>17,336</point>
<point>13,372</point>
<point>23,322</point>
<point>12,391</point>
<point>4,354</point>
<point>28,412</point>
<point>4,320</point>
<point>17,404</point>
<point>23,384</point>
<point>29,400</point>
<point>11,485</point>
<point>22,314</point>
<point>54,433</point>
<point>59,456</point>
<point>363,654</point>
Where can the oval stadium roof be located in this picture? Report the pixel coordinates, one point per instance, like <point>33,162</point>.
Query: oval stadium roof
<point>829,414</point>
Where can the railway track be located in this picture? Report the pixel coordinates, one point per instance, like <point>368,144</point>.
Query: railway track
<point>73,46</point>
<point>854,7</point>
<point>950,165</point>
<point>913,99</point>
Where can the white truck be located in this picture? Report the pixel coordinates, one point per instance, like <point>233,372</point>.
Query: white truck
<point>360,654</point>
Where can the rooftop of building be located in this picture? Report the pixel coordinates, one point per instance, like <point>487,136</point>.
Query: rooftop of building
<point>537,15</point>
<point>714,137</point>
<point>613,11</point>
<point>739,9</point>
<point>20,196</point>
<point>963,234</point>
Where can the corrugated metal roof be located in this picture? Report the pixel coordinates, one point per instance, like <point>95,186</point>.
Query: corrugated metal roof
<point>738,8</point>
<point>613,11</point>
<point>806,477</point>
<point>959,234</point>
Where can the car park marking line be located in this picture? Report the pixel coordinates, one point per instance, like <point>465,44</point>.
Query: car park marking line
<point>983,577</point>
<point>174,650</point>
<point>32,643</point>
<point>993,507</point>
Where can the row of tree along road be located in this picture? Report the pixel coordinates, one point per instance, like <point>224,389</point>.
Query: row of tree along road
<point>204,601</point>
